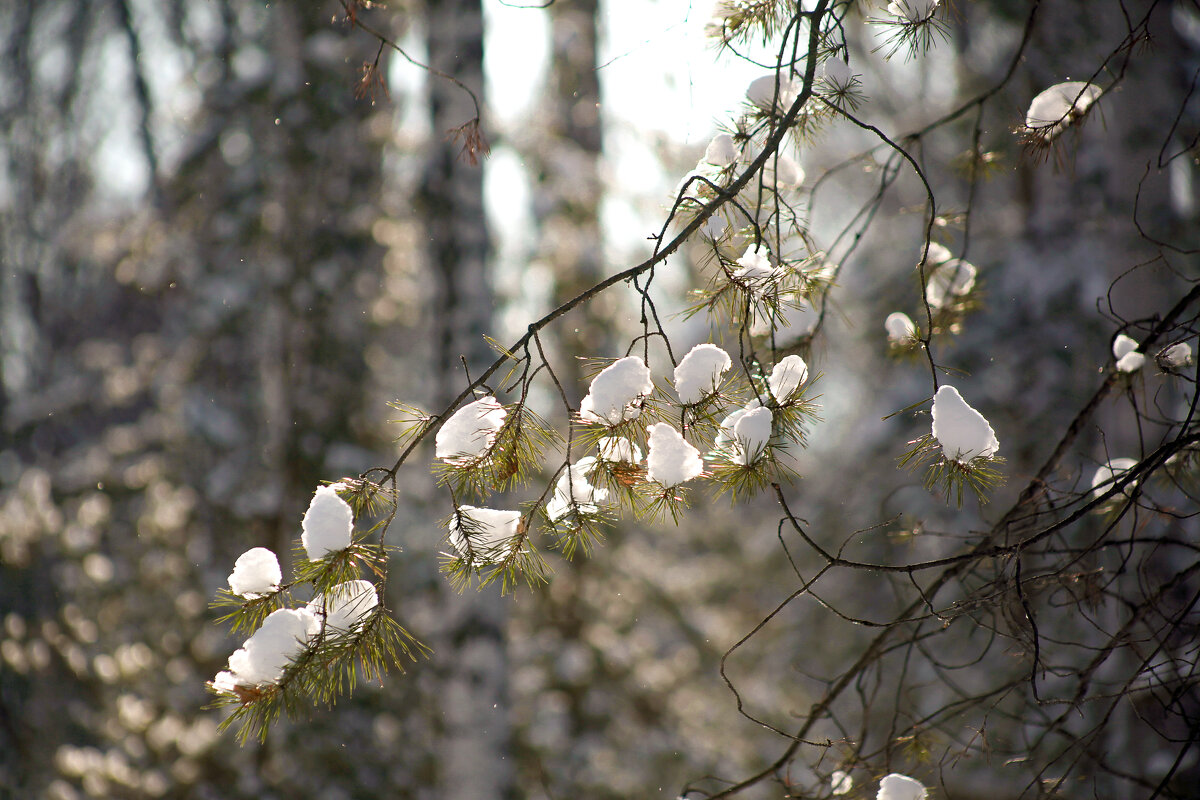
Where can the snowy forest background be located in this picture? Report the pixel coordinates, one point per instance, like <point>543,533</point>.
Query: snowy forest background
<point>226,247</point>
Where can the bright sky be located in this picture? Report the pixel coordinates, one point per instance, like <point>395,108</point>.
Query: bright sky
<point>664,88</point>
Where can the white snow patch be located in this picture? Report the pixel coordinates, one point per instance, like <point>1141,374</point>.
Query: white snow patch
<point>950,280</point>
<point>900,787</point>
<point>471,431</point>
<point>345,605</point>
<point>761,93</point>
<point>937,254</point>
<point>1124,350</point>
<point>783,172</point>
<point>913,11</point>
<point>699,372</point>
<point>721,151</point>
<point>485,530</point>
<point>616,393</point>
<point>900,327</point>
<point>1175,356</point>
<point>755,272</point>
<point>672,460</point>
<point>262,659</point>
<point>962,431</point>
<point>1107,473</point>
<point>1060,105</point>
<point>573,492</point>
<point>616,449</point>
<point>749,433</point>
<point>255,573</point>
<point>327,524</point>
<point>786,378</point>
<point>838,74</point>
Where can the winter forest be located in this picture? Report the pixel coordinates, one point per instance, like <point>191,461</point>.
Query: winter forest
<point>599,399</point>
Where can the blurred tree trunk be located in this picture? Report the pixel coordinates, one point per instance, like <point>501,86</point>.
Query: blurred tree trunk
<point>177,377</point>
<point>565,158</point>
<point>476,736</point>
<point>564,161</point>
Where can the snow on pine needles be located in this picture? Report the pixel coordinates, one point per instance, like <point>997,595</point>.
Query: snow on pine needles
<point>961,445</point>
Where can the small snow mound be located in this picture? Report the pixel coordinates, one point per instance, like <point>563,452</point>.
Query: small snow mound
<point>699,372</point>
<point>783,172</point>
<point>913,11</point>
<point>1060,105</point>
<point>345,606</point>
<point>263,658</point>
<point>1107,473</point>
<point>483,532</point>
<point>900,787</point>
<point>838,74</point>
<point>951,280</point>
<point>1124,350</point>
<point>762,93</point>
<point>616,393</point>
<point>573,492</point>
<point>327,524</point>
<point>755,272</point>
<point>671,460</point>
<point>786,378</point>
<point>900,327</point>
<point>937,254</point>
<point>470,432</point>
<point>617,449</point>
<point>962,431</point>
<point>255,573</point>
<point>1175,356</point>
<point>721,151</point>
<point>749,432</point>
<point>840,782</point>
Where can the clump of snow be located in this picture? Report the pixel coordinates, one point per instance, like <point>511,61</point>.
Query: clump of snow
<point>1124,350</point>
<point>952,278</point>
<point>262,659</point>
<point>699,372</point>
<point>225,681</point>
<point>327,525</point>
<point>900,327</point>
<point>745,433</point>
<point>900,787</point>
<point>962,431</point>
<point>671,460</point>
<point>761,93</point>
<point>755,271</point>
<point>616,449</point>
<point>840,782</point>
<point>1175,356</point>
<point>715,226</point>
<point>344,606</point>
<point>786,378</point>
<point>783,172</point>
<point>1107,473</point>
<point>573,492</point>
<point>721,151</point>
<point>1054,109</point>
<point>725,434</point>
<point>913,11</point>
<point>471,431</point>
<point>616,393</point>
<point>255,573</point>
<point>937,254</point>
<point>485,530</point>
<point>838,74</point>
